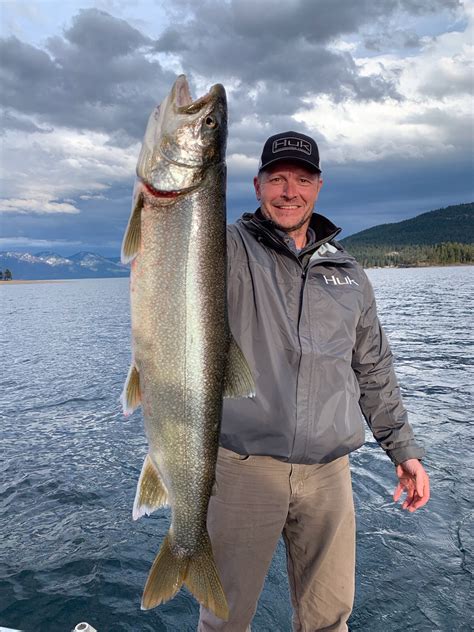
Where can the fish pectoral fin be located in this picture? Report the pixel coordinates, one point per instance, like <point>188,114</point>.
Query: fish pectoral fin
<point>131,397</point>
<point>151,491</point>
<point>133,233</point>
<point>238,381</point>
<point>203,581</point>
<point>165,578</point>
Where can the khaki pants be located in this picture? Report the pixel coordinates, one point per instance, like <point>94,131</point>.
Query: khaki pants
<point>258,498</point>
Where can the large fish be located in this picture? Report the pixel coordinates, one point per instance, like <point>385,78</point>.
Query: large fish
<point>184,359</point>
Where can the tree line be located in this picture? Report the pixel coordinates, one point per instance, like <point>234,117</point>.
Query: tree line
<point>452,224</point>
<point>5,276</point>
<point>446,253</point>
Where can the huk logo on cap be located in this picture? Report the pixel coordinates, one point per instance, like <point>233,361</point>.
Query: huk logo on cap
<point>291,146</point>
<point>292,143</point>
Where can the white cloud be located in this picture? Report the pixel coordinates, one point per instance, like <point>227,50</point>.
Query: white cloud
<point>36,205</point>
<point>241,163</point>
<point>92,197</point>
<point>434,115</point>
<point>26,242</point>
<point>44,169</point>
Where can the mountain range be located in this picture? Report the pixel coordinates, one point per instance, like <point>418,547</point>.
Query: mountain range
<point>49,265</point>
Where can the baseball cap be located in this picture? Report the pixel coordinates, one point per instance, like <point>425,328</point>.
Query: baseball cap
<point>290,146</point>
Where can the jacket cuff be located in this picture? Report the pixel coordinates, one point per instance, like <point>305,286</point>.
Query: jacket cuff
<point>399,455</point>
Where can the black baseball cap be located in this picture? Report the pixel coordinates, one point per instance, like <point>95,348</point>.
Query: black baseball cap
<point>290,146</point>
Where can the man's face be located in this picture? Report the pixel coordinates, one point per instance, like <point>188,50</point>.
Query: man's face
<point>288,192</point>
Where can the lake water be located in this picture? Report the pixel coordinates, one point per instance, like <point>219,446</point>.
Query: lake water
<point>70,461</point>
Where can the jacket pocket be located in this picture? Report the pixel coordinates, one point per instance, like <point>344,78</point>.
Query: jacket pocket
<point>353,385</point>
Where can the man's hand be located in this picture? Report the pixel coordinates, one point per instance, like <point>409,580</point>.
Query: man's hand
<point>414,480</point>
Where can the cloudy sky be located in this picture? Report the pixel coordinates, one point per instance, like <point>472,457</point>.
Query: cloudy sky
<point>384,86</point>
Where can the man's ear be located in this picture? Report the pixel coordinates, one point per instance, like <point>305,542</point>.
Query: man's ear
<point>256,184</point>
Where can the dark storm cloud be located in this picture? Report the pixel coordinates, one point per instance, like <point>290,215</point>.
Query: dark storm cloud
<point>267,43</point>
<point>96,76</point>
<point>99,74</point>
<point>316,20</point>
<point>9,121</point>
<point>423,7</point>
<point>397,39</point>
<point>172,41</point>
<point>394,190</point>
<point>103,35</point>
<point>265,59</point>
<point>332,73</point>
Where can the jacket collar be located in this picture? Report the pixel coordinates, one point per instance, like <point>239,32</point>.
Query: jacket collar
<point>263,229</point>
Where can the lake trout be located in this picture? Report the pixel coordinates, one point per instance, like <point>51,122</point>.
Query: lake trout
<point>184,359</point>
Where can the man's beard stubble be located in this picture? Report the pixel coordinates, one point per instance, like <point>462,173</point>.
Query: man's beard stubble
<point>287,229</point>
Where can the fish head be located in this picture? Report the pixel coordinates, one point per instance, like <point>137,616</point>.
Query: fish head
<point>183,139</point>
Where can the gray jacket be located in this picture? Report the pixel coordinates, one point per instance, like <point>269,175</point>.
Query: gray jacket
<point>309,329</point>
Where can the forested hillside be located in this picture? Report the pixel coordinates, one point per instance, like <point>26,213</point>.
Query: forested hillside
<point>441,237</point>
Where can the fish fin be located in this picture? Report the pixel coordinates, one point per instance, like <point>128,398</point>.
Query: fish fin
<point>238,381</point>
<point>165,578</point>
<point>203,581</point>
<point>198,573</point>
<point>151,491</point>
<point>133,233</point>
<point>130,396</point>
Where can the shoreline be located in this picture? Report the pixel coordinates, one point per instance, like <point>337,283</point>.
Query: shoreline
<point>434,265</point>
<point>390,267</point>
<point>23,281</point>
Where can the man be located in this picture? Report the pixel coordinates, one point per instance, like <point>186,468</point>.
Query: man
<point>304,314</point>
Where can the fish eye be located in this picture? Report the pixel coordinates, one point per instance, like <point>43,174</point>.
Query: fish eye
<point>211,121</point>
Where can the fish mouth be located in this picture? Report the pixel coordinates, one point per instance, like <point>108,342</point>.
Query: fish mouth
<point>183,101</point>
<point>169,195</point>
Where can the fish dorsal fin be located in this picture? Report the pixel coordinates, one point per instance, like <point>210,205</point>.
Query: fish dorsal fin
<point>151,491</point>
<point>133,234</point>
<point>238,381</point>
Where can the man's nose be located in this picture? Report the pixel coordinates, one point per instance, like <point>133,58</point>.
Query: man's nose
<point>289,189</point>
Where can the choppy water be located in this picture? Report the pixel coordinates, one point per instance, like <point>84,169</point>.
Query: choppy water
<point>69,463</point>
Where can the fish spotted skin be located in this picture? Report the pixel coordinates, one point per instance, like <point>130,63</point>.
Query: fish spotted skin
<point>180,335</point>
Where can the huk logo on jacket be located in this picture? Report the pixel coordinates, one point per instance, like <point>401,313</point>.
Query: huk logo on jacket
<point>334,280</point>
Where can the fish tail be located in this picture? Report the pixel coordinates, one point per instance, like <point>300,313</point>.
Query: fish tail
<point>199,573</point>
<point>203,581</point>
<point>165,578</point>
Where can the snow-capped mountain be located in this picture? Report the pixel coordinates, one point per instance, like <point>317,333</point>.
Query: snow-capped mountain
<point>49,265</point>
<point>91,261</point>
<point>52,259</point>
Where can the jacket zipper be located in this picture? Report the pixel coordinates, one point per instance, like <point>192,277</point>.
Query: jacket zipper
<point>304,276</point>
